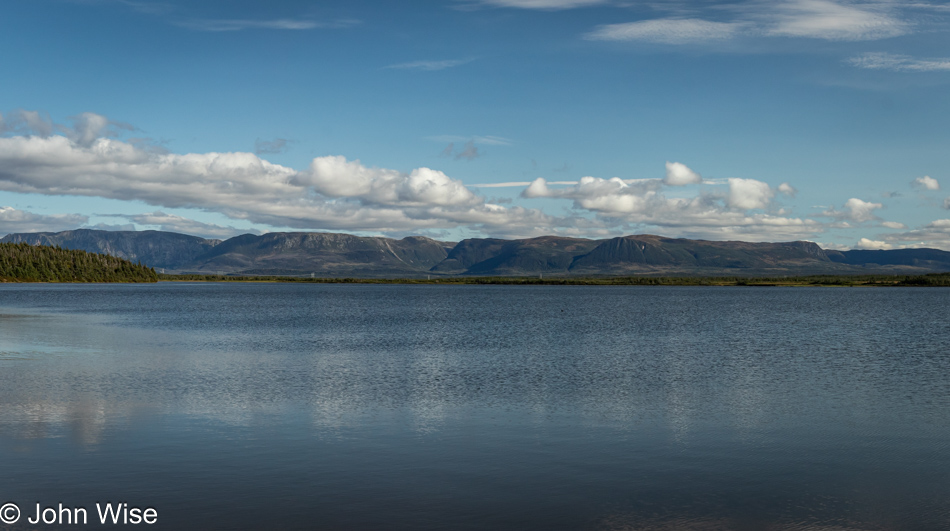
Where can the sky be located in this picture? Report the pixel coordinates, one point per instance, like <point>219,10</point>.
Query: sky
<point>819,120</point>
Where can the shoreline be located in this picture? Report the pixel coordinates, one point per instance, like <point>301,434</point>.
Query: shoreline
<point>929,280</point>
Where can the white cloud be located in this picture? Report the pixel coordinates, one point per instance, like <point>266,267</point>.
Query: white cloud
<point>855,210</point>
<point>430,66</point>
<point>893,225</point>
<point>787,189</point>
<point>935,234</point>
<point>612,195</point>
<point>875,245</point>
<point>338,177</point>
<point>833,20</point>
<point>667,31</point>
<point>678,174</point>
<point>861,210</point>
<point>332,194</point>
<point>749,194</point>
<point>13,220</point>
<point>899,63</point>
<point>834,246</point>
<point>641,204</point>
<point>926,182</point>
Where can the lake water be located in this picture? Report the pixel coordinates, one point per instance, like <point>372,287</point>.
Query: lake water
<point>307,406</point>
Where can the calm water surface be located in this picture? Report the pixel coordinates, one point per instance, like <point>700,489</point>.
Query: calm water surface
<point>279,406</point>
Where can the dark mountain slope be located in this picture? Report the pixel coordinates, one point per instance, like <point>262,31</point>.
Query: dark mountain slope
<point>337,255</point>
<point>169,250</point>
<point>469,252</point>
<point>932,259</point>
<point>324,254</point>
<point>646,252</point>
<point>546,254</point>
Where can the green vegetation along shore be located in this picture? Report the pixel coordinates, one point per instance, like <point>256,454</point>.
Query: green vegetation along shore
<point>22,262</point>
<point>935,279</point>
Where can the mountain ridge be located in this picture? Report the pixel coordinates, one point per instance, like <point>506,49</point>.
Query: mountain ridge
<point>339,255</point>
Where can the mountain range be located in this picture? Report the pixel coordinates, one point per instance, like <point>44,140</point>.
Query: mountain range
<point>339,255</point>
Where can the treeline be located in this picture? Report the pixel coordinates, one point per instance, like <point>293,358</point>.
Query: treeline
<point>22,262</point>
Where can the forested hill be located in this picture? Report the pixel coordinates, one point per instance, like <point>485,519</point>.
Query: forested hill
<point>22,262</point>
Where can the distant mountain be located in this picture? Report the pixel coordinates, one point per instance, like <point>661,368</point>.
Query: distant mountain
<point>514,257</point>
<point>324,254</point>
<point>338,255</point>
<point>169,250</point>
<point>645,253</point>
<point>924,258</point>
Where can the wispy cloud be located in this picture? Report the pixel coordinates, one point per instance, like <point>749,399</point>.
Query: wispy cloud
<point>667,31</point>
<point>547,5</point>
<point>86,127</point>
<point>147,7</point>
<point>834,20</point>
<point>519,184</point>
<point>468,152</point>
<point>178,15</point>
<point>898,63</point>
<point>429,66</point>
<point>278,145</point>
<point>219,25</point>
<point>486,140</point>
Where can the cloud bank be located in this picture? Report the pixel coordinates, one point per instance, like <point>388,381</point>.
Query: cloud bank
<point>745,211</point>
<point>13,220</point>
<point>336,193</point>
<point>333,193</point>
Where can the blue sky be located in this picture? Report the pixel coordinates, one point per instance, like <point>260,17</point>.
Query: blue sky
<point>823,120</point>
